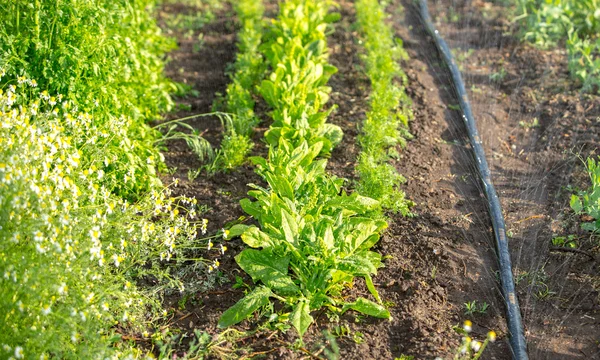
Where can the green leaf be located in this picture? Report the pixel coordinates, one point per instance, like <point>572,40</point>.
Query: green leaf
<point>333,133</point>
<point>265,266</point>
<point>358,264</point>
<point>328,238</point>
<point>251,208</point>
<point>289,227</point>
<point>269,93</point>
<point>236,230</point>
<point>256,238</point>
<point>371,288</point>
<point>332,17</point>
<point>245,306</point>
<point>301,318</point>
<point>280,185</point>
<point>368,307</point>
<point>576,204</point>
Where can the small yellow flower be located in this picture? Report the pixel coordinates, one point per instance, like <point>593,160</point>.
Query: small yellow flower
<point>492,336</point>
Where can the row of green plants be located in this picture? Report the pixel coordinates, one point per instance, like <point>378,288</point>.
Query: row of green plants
<point>313,238</point>
<point>386,124</point>
<point>88,234</point>
<point>571,23</point>
<point>249,69</point>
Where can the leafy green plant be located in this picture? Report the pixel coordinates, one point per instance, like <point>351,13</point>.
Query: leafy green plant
<point>471,307</point>
<point>324,256</point>
<point>569,241</point>
<point>499,76</point>
<point>296,89</point>
<point>385,125</point>
<point>587,202</point>
<point>549,23</point>
<point>584,61</point>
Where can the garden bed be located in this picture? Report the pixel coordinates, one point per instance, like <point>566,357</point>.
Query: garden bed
<point>444,257</point>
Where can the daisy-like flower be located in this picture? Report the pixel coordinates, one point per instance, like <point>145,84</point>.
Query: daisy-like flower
<point>204,226</point>
<point>475,345</point>
<point>19,352</point>
<point>223,249</point>
<point>492,336</point>
<point>468,326</point>
<point>62,289</point>
<point>46,309</point>
<point>210,244</point>
<point>225,233</point>
<point>95,233</point>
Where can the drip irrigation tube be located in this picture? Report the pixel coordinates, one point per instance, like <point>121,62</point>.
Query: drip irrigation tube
<point>513,313</point>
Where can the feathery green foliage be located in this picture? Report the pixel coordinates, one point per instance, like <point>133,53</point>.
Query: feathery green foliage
<point>249,70</point>
<point>385,125</point>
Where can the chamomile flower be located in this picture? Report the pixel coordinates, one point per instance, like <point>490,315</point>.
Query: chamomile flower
<point>19,354</point>
<point>204,226</point>
<point>46,309</point>
<point>468,326</point>
<point>62,289</point>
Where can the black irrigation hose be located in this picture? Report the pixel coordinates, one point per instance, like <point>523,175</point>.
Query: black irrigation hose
<point>513,314</point>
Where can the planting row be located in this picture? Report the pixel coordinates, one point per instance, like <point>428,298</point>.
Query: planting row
<point>385,126</point>
<point>313,238</point>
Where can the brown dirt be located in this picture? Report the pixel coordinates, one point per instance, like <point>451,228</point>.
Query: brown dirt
<point>444,256</point>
